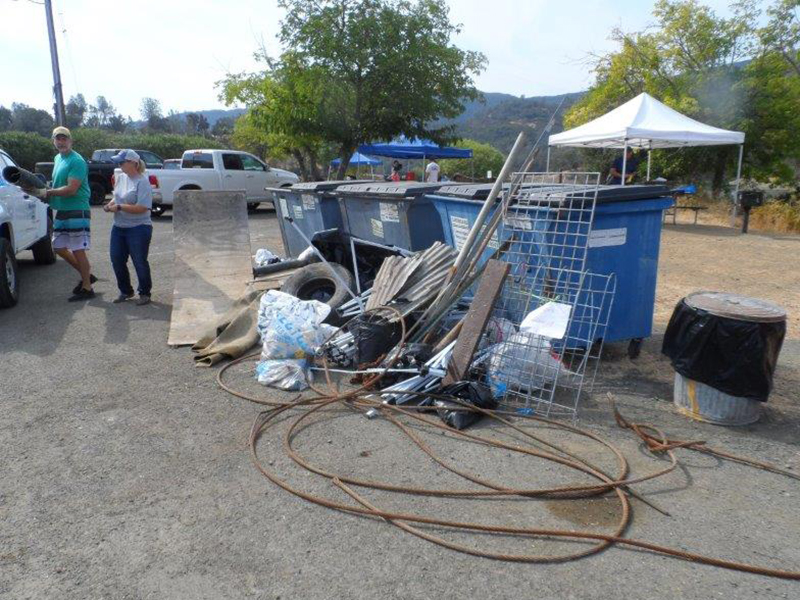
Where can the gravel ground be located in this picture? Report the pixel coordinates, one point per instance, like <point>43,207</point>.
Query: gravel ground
<point>126,472</point>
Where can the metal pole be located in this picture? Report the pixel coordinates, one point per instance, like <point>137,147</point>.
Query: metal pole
<point>736,189</point>
<point>648,163</point>
<point>624,161</point>
<point>547,165</point>
<point>59,94</point>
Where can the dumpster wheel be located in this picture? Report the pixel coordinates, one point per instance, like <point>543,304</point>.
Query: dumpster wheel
<point>634,348</point>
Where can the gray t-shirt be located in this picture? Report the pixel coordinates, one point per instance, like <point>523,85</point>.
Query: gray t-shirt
<point>132,190</point>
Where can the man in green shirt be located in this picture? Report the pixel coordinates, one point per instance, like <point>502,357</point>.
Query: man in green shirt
<point>69,197</point>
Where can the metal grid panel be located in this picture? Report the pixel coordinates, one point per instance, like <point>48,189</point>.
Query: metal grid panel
<point>546,224</point>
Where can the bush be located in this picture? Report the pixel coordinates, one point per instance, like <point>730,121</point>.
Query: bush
<point>777,215</point>
<point>485,158</point>
<point>27,148</point>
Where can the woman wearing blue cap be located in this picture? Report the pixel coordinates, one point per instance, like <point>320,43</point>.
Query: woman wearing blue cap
<point>133,229</point>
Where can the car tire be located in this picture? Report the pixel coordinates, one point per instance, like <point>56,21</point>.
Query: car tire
<point>98,192</point>
<point>157,210</point>
<point>43,253</point>
<point>9,282</point>
<point>252,206</point>
<point>315,282</point>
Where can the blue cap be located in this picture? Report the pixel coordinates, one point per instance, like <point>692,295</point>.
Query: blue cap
<point>124,155</point>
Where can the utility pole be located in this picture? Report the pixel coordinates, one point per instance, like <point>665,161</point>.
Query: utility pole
<point>59,94</point>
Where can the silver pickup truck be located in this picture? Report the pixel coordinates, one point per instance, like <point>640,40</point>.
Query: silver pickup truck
<point>25,224</point>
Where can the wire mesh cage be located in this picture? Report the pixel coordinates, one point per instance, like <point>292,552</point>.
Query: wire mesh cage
<point>559,311</point>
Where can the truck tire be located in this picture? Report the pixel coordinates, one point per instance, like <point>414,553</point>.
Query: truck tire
<point>315,282</point>
<point>9,282</point>
<point>157,210</point>
<point>43,253</point>
<point>98,192</point>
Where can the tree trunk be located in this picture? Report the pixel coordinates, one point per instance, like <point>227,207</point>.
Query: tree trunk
<point>719,174</point>
<point>345,153</point>
<point>301,160</point>
<point>313,165</point>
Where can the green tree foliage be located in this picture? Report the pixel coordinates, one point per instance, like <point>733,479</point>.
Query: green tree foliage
<point>721,71</point>
<point>196,124</point>
<point>76,110</point>
<point>27,148</point>
<point>26,118</point>
<point>6,118</point>
<point>152,114</point>
<point>359,70</point>
<point>484,158</point>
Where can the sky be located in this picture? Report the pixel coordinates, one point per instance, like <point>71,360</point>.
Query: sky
<point>176,50</point>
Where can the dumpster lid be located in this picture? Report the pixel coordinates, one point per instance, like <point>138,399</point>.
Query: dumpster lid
<point>605,193</point>
<point>322,186</point>
<point>392,189</point>
<point>734,306</point>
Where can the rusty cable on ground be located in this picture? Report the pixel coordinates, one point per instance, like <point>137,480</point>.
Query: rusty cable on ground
<point>362,398</point>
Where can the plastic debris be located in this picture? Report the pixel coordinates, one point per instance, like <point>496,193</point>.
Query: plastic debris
<point>291,374</point>
<point>265,257</point>
<point>469,392</point>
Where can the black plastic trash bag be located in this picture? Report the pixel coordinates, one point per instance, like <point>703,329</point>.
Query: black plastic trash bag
<point>734,356</point>
<point>374,336</point>
<point>469,392</point>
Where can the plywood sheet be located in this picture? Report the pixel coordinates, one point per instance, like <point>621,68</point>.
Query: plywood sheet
<point>212,259</point>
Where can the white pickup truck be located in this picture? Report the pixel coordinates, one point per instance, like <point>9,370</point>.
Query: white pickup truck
<point>219,170</point>
<point>25,224</point>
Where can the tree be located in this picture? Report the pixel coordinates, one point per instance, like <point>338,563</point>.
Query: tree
<point>6,117</point>
<point>151,113</point>
<point>360,70</point>
<point>27,118</point>
<point>103,111</point>
<point>484,158</point>
<point>196,123</point>
<point>223,127</point>
<point>76,110</point>
<point>720,71</point>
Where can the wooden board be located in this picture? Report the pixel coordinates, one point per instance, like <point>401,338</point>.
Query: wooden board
<point>212,259</point>
<point>491,283</point>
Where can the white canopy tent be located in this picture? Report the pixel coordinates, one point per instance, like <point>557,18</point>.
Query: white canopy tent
<point>644,122</point>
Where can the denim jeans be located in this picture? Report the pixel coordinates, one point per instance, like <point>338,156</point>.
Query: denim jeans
<point>133,242</point>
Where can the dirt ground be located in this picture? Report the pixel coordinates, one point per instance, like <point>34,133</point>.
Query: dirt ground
<point>125,471</point>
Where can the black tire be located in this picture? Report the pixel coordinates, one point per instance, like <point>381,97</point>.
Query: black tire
<point>98,191</point>
<point>315,282</point>
<point>9,281</point>
<point>252,206</point>
<point>157,210</point>
<point>43,253</point>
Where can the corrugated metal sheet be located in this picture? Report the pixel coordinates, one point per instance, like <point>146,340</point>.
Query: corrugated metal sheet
<point>412,281</point>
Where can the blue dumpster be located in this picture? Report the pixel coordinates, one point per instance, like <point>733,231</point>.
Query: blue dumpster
<point>625,240</point>
<point>392,214</point>
<point>313,208</point>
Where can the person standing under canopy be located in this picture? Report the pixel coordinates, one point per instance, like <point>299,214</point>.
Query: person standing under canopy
<point>631,164</point>
<point>432,172</point>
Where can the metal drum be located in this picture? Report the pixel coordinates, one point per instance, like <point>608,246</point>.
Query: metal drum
<point>701,402</point>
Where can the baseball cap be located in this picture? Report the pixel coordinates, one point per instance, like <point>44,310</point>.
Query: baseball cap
<point>124,155</point>
<point>61,131</point>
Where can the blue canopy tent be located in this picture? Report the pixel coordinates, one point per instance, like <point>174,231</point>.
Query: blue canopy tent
<point>357,160</point>
<point>403,147</point>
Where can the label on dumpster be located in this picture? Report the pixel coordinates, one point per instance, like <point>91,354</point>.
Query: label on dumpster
<point>461,228</point>
<point>599,238</point>
<point>389,213</point>
<point>298,212</point>
<point>309,202</point>
<point>377,228</point>
<point>518,223</point>
<point>284,207</point>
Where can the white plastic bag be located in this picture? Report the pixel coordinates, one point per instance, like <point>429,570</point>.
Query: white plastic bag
<point>264,257</point>
<point>523,363</point>
<point>290,327</point>
<point>288,374</point>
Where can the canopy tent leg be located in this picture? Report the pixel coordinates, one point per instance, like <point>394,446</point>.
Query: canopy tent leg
<point>624,161</point>
<point>547,164</point>
<point>736,188</point>
<point>649,151</point>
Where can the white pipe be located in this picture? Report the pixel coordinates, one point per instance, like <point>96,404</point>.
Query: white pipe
<point>547,166</point>
<point>736,189</point>
<point>624,161</point>
<point>648,163</point>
